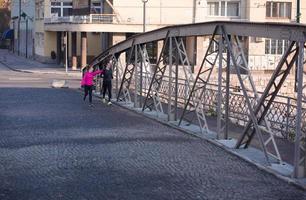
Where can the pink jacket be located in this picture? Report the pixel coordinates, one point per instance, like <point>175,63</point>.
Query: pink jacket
<point>88,77</point>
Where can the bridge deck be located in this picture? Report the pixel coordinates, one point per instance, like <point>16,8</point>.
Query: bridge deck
<point>54,146</point>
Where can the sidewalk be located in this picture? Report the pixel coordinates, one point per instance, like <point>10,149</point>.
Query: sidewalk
<point>19,63</point>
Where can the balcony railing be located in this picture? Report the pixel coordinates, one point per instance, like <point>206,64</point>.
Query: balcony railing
<point>85,19</point>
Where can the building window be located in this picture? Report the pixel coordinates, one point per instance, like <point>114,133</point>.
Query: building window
<point>39,10</point>
<point>278,9</point>
<point>213,8</point>
<point>224,8</point>
<point>96,7</point>
<point>61,9</point>
<point>276,47</point>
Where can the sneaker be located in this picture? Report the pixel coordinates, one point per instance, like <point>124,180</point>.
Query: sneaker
<point>91,105</point>
<point>109,103</point>
<point>103,100</point>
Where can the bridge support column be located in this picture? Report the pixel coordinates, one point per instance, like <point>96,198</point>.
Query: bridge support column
<point>58,47</point>
<point>83,49</point>
<point>74,50</point>
<point>170,113</point>
<point>137,77</point>
<point>219,96</point>
<point>173,81</point>
<point>300,137</point>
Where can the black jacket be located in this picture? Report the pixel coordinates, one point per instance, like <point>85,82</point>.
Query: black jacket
<point>107,75</point>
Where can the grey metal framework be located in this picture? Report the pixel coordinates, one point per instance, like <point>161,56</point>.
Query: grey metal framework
<point>123,94</point>
<point>157,85</point>
<point>152,98</point>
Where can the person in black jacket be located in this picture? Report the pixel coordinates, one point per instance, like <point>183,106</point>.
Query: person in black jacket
<point>107,83</point>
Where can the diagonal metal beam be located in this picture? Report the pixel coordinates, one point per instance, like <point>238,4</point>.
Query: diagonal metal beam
<point>300,137</point>
<point>263,105</point>
<point>244,90</point>
<point>194,102</point>
<point>152,94</point>
<point>266,127</point>
<point>127,77</point>
<point>148,76</point>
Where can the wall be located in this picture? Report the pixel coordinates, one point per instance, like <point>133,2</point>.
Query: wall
<point>50,44</point>
<point>157,11</point>
<point>202,12</point>
<point>28,7</point>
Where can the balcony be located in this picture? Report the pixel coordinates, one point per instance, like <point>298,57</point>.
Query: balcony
<point>84,19</point>
<point>95,23</point>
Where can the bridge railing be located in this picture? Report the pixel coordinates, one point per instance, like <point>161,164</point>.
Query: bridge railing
<point>282,113</point>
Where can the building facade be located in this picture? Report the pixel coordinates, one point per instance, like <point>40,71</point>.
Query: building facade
<point>63,33</point>
<point>22,21</point>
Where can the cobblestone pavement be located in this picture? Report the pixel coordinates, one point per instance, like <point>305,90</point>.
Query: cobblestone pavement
<point>54,146</point>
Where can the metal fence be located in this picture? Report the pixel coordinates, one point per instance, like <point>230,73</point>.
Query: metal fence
<point>282,114</point>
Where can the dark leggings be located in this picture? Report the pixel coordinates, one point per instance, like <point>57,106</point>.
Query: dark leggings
<point>107,85</point>
<point>88,90</point>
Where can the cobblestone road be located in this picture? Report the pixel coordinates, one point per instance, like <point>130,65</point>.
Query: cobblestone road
<point>54,146</point>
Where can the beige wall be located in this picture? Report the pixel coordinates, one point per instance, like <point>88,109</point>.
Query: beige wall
<point>118,37</point>
<point>257,11</point>
<point>50,43</point>
<point>303,11</point>
<point>157,11</point>
<point>39,38</point>
<point>94,44</point>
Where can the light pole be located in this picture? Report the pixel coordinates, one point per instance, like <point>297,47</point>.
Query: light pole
<point>19,16</point>
<point>298,19</point>
<point>66,50</point>
<point>298,9</point>
<point>144,14</point>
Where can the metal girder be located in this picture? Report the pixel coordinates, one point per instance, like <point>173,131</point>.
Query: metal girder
<point>145,61</point>
<point>282,31</point>
<point>194,102</point>
<point>123,93</point>
<point>185,63</point>
<point>141,56</point>
<point>152,97</point>
<point>223,92</point>
<point>146,64</point>
<point>300,137</point>
<point>148,75</point>
<point>173,79</point>
<point>238,67</point>
<point>243,65</point>
<point>100,58</point>
<point>271,90</point>
<point>116,67</point>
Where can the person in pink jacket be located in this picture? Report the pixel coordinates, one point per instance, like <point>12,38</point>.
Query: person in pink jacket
<point>87,82</point>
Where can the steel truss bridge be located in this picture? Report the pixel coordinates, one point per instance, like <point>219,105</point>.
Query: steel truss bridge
<point>170,87</point>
